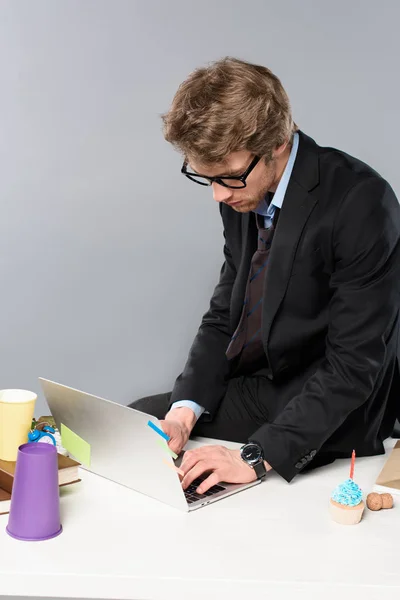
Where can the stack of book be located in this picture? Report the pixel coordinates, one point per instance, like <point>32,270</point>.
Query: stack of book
<point>68,473</point>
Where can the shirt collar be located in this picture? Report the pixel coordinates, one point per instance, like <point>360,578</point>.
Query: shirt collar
<point>267,210</point>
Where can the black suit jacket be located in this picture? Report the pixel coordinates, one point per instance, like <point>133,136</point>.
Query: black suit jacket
<point>330,317</point>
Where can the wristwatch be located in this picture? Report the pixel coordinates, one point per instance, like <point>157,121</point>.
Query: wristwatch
<point>252,454</point>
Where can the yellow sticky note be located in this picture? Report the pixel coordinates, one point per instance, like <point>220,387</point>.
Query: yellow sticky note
<point>75,445</point>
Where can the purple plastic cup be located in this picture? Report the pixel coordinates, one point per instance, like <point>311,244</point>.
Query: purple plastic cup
<point>35,499</point>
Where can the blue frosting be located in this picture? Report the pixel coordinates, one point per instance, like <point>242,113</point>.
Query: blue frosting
<point>347,493</point>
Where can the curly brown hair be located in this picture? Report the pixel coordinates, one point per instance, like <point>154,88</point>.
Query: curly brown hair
<point>228,106</point>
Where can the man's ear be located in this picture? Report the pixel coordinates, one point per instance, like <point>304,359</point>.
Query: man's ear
<point>280,150</point>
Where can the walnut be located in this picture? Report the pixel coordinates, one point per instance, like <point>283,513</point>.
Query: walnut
<point>387,500</point>
<point>374,501</point>
<point>377,501</point>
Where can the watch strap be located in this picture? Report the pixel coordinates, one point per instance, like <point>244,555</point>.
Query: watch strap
<point>260,469</point>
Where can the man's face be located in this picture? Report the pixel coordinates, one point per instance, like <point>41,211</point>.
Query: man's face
<point>262,179</point>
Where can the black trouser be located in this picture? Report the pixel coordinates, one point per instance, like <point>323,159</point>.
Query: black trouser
<point>240,413</point>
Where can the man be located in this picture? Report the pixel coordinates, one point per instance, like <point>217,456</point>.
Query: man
<point>297,355</point>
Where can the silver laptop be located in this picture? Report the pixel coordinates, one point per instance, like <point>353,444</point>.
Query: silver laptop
<point>125,449</point>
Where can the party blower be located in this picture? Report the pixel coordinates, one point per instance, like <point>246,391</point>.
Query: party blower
<point>35,501</point>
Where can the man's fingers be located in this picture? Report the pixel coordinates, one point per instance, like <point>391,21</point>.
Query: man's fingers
<point>205,485</point>
<point>168,427</point>
<point>194,456</point>
<point>173,430</point>
<point>200,468</point>
<point>175,445</point>
<point>202,451</point>
<point>189,461</point>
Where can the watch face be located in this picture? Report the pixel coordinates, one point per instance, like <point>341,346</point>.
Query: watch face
<point>251,453</point>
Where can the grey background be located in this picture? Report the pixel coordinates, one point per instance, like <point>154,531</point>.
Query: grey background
<point>108,255</point>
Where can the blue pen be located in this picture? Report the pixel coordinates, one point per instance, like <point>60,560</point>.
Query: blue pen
<point>159,431</point>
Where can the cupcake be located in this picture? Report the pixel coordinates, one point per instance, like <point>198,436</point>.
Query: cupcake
<point>346,504</point>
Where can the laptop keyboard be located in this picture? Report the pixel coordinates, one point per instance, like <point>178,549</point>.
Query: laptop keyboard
<point>192,496</point>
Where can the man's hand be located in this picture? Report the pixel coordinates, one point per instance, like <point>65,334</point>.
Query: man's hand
<point>178,424</point>
<point>225,465</point>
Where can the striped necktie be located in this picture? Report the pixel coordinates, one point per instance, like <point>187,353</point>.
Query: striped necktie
<point>247,341</point>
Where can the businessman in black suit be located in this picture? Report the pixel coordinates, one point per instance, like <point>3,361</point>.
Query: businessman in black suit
<point>297,355</point>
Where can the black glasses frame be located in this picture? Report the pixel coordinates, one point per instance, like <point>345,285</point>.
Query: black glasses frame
<point>240,178</point>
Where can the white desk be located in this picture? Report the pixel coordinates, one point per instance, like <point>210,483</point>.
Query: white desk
<point>275,540</point>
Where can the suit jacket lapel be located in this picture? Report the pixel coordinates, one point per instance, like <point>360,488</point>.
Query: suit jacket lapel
<point>286,239</point>
<point>296,209</point>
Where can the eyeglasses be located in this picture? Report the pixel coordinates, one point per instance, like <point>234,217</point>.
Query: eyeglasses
<point>232,181</point>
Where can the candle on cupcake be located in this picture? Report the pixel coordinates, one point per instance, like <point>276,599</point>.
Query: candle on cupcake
<point>346,503</point>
